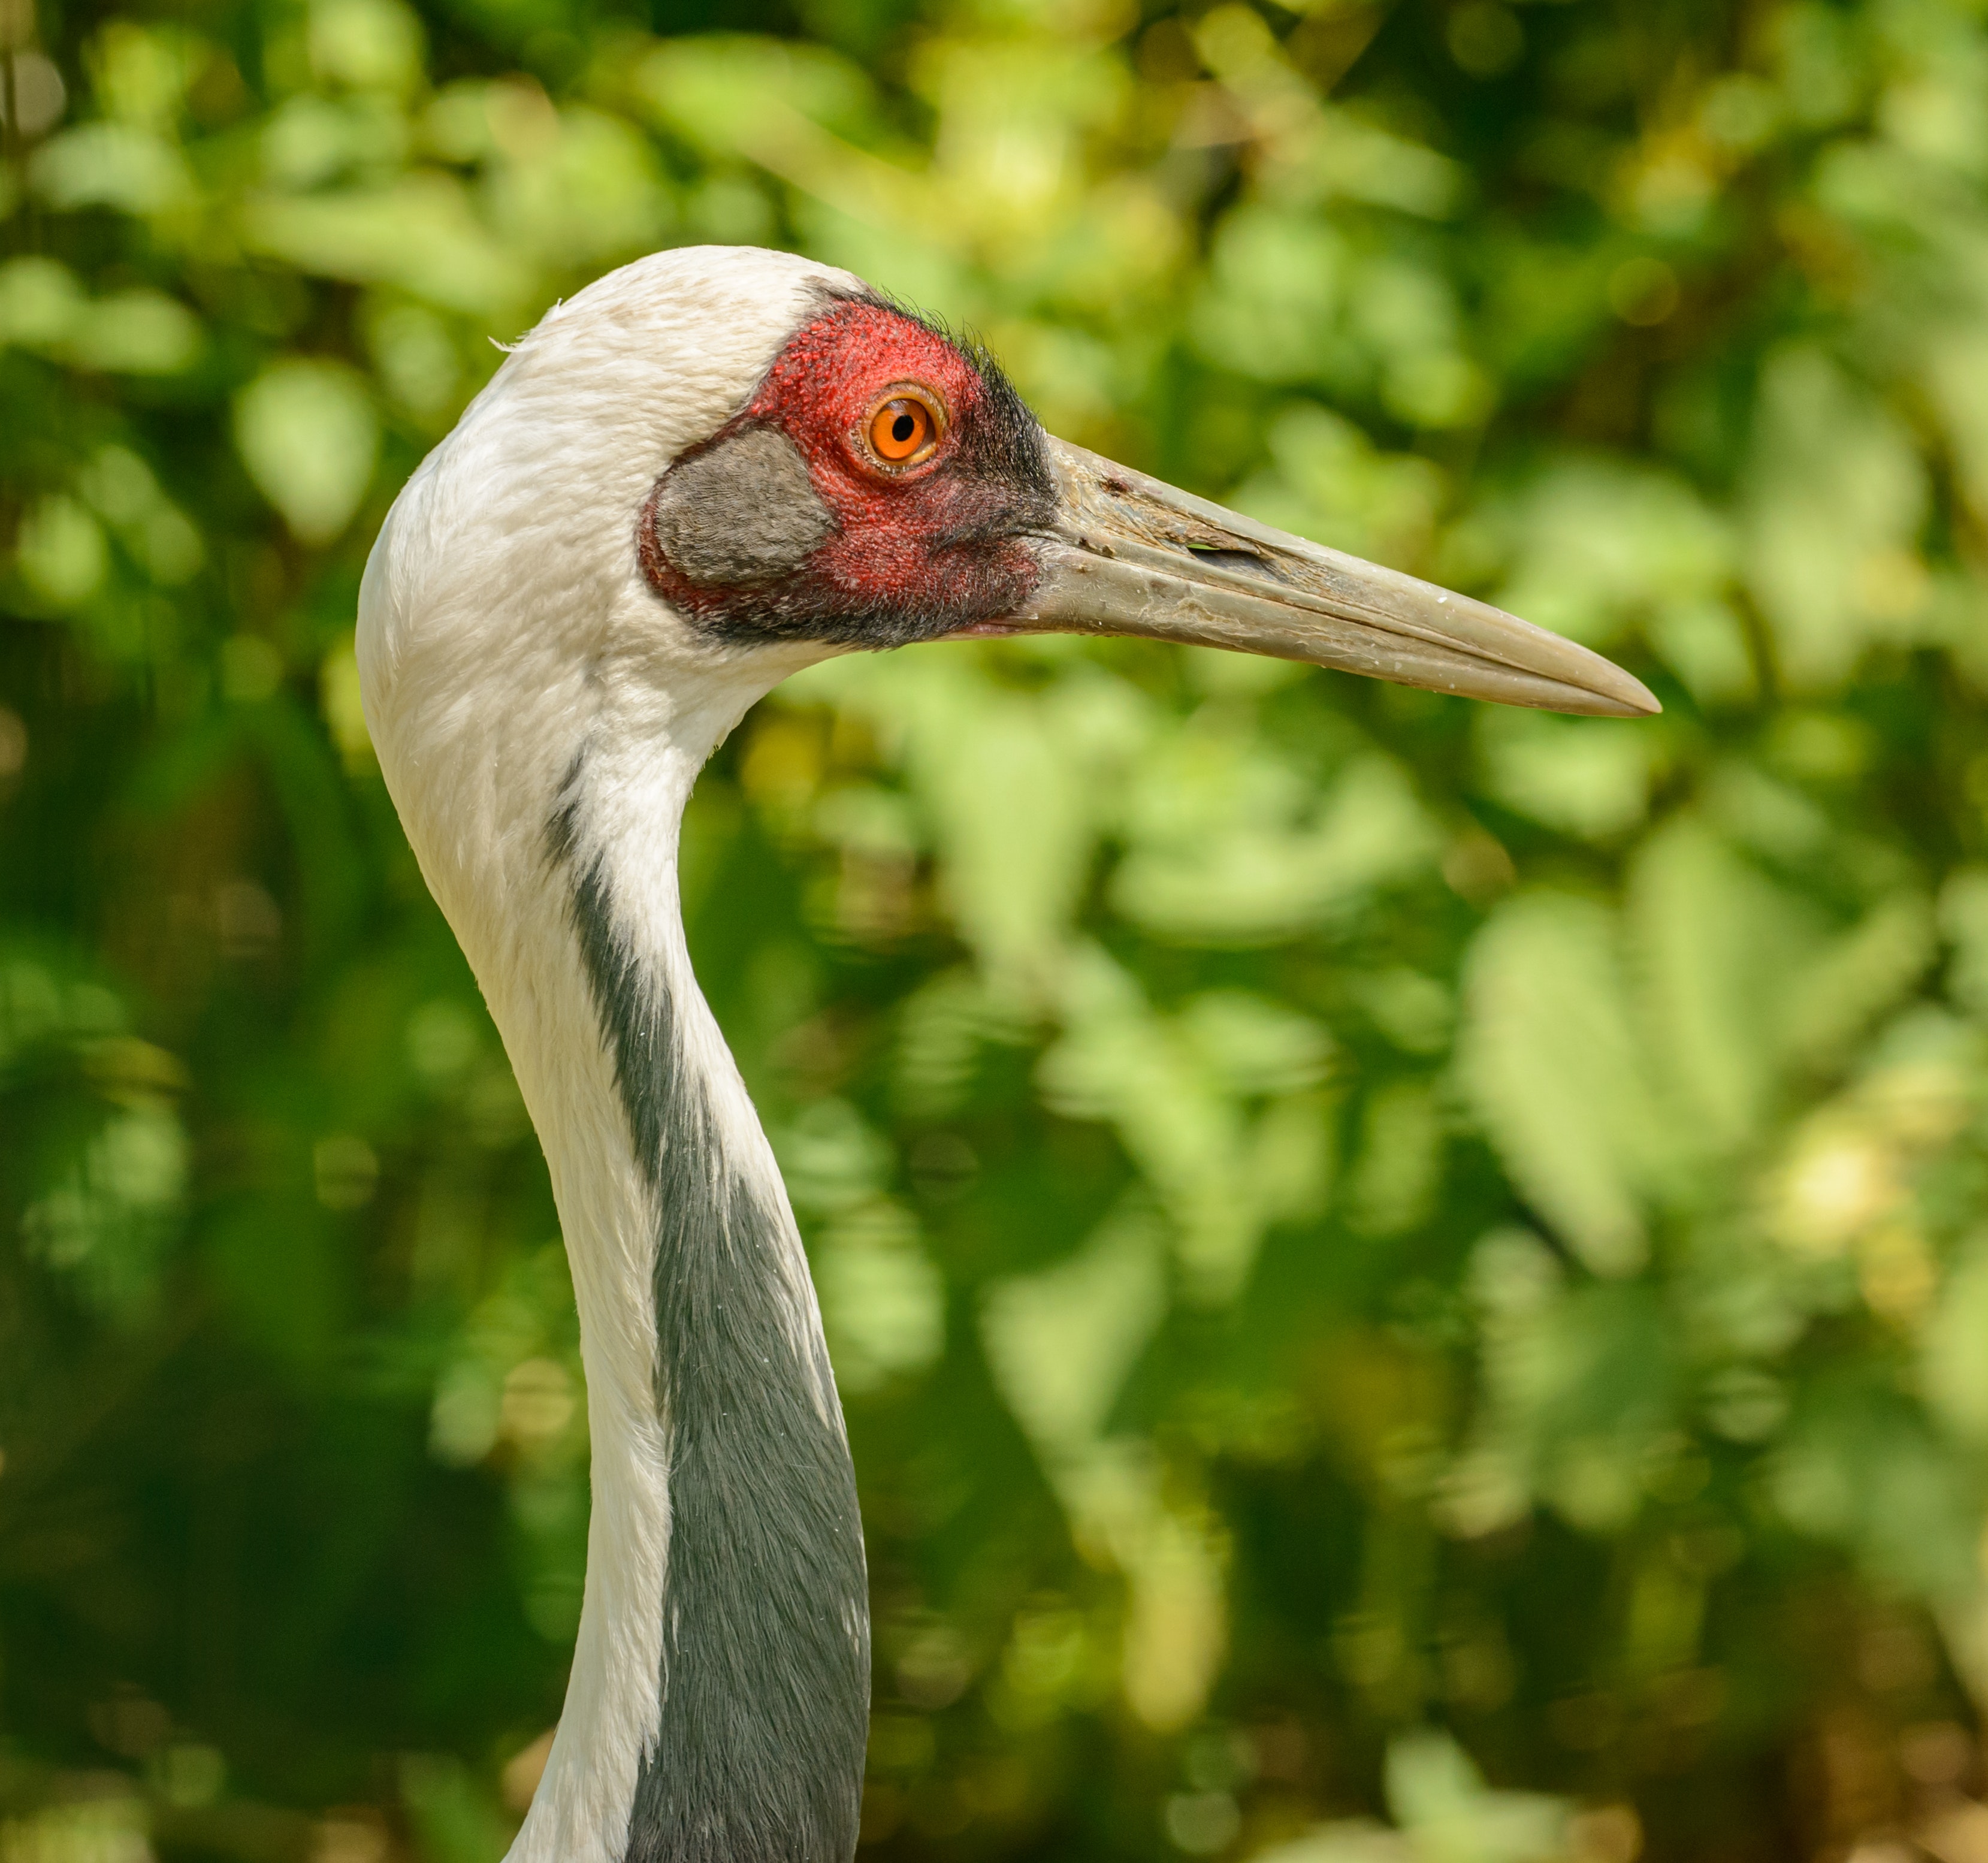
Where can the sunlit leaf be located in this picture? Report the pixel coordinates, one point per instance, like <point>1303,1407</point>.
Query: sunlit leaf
<point>1715,945</point>
<point>1549,1055</point>
<point>1838,495</point>
<point>309,436</point>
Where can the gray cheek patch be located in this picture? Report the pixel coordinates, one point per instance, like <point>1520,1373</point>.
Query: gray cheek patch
<point>743,512</point>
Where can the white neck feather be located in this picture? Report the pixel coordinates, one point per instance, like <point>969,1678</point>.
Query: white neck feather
<point>580,1814</point>
<point>505,635</point>
<point>510,903</point>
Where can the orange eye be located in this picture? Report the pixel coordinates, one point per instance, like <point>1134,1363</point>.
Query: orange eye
<point>903,430</point>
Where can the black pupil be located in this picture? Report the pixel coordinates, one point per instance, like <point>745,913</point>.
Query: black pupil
<point>903,427</point>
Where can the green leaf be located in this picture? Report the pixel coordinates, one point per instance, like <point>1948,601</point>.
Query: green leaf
<point>1549,1057</point>
<point>1837,497</point>
<point>1716,945</point>
<point>308,434</point>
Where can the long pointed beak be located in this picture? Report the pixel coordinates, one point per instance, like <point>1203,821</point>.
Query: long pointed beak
<point>1131,555</point>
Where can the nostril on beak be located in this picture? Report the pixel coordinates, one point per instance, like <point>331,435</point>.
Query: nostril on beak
<point>1244,562</point>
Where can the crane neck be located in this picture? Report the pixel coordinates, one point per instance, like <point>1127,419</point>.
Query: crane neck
<point>718,1708</point>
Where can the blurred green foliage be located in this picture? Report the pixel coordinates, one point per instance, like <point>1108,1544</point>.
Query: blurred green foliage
<point>1410,1282</point>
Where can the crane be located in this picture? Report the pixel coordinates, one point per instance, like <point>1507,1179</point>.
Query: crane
<point>707,470</point>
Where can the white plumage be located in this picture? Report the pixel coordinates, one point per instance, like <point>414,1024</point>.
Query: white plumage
<point>504,622</point>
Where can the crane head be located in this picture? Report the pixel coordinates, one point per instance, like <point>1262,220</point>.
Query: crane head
<point>718,463</point>
<point>885,484</point>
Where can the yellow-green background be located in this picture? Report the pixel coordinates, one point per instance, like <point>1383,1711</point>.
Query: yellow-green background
<point>1388,1261</point>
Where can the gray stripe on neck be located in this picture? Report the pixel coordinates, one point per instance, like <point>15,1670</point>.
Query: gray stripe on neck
<point>764,1696</point>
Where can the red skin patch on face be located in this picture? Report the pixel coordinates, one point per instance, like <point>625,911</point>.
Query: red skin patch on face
<point>917,551</point>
